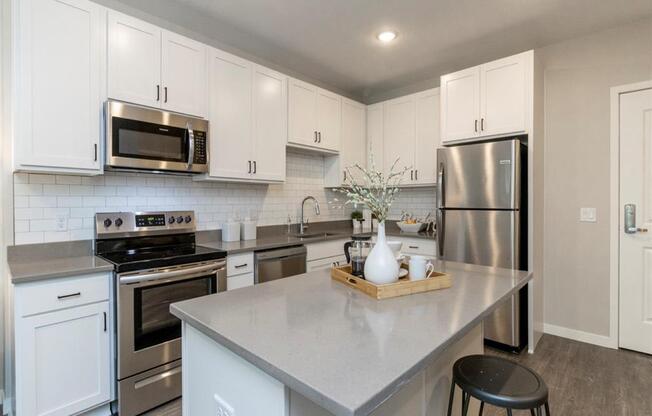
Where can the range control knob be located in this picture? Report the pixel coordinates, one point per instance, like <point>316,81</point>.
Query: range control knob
<point>180,219</point>
<point>171,220</point>
<point>118,222</point>
<point>107,223</point>
<point>188,219</point>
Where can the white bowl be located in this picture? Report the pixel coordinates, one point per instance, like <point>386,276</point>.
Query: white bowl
<point>411,228</point>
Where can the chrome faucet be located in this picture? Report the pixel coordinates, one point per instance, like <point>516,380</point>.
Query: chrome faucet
<point>302,227</point>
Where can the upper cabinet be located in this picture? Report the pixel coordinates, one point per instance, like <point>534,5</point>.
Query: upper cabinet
<point>375,135</point>
<point>352,147</point>
<point>488,100</point>
<point>248,120</point>
<point>314,117</point>
<point>426,136</point>
<point>59,94</point>
<point>399,136</point>
<point>153,67</point>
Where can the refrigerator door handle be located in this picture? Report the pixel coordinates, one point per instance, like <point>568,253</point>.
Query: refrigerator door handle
<point>439,218</point>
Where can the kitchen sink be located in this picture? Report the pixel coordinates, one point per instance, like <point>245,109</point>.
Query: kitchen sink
<point>308,236</point>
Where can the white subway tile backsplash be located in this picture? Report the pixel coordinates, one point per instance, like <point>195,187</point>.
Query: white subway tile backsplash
<point>41,199</point>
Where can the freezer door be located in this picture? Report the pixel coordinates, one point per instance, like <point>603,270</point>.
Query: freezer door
<point>480,176</point>
<point>488,238</point>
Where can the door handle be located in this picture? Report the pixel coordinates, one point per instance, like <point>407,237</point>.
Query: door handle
<point>315,137</point>
<point>630,220</point>
<point>476,126</point>
<point>191,145</point>
<point>416,174</point>
<point>158,92</point>
<point>255,169</point>
<point>249,161</point>
<point>165,94</point>
<point>104,321</point>
<point>319,137</point>
<point>482,124</point>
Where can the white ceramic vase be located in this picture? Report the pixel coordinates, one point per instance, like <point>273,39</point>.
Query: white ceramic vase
<point>381,266</point>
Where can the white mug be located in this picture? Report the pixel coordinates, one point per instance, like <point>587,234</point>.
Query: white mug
<point>420,268</point>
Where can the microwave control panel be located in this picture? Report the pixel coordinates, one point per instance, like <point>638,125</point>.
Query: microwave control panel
<point>200,156</point>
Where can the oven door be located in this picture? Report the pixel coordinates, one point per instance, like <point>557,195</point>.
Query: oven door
<point>148,334</point>
<point>142,138</point>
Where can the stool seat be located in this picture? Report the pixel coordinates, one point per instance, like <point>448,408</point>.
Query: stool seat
<point>500,382</point>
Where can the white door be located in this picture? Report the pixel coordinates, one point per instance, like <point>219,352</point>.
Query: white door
<point>427,137</point>
<point>270,130</point>
<point>134,67</point>
<point>399,140</point>
<point>64,361</point>
<point>375,135</point>
<point>503,86</point>
<point>460,105</point>
<point>353,143</point>
<point>230,115</point>
<point>636,247</point>
<point>302,113</point>
<point>329,120</point>
<point>183,74</point>
<point>60,56</point>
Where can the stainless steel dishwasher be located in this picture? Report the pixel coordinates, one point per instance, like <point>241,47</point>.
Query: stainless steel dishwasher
<point>279,263</point>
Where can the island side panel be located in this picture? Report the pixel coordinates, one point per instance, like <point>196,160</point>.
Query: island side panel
<point>426,394</point>
<point>215,377</point>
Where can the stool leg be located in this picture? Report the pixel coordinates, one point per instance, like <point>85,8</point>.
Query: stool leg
<point>509,412</point>
<point>481,408</point>
<point>465,403</point>
<point>532,412</point>
<point>547,408</point>
<point>450,399</point>
<point>539,411</point>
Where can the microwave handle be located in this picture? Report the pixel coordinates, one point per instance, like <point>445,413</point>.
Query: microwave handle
<point>191,145</point>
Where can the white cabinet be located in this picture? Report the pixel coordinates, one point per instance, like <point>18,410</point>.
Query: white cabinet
<point>248,120</point>
<point>399,135</point>
<point>239,270</point>
<point>314,117</point>
<point>427,137</point>
<point>62,345</point>
<point>60,77</point>
<point>352,148</point>
<point>326,263</point>
<point>488,100</point>
<point>150,66</point>
<point>375,134</point>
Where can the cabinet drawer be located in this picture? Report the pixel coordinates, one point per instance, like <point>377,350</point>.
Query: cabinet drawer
<point>418,246</point>
<point>236,282</point>
<point>50,295</point>
<point>325,264</point>
<point>240,264</point>
<point>326,249</point>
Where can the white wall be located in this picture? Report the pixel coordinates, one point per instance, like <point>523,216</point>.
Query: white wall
<point>578,76</point>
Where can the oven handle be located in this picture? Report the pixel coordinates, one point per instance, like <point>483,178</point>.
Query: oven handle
<point>191,145</point>
<point>172,274</point>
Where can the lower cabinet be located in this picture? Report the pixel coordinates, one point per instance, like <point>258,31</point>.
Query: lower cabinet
<point>239,270</point>
<point>417,246</point>
<point>325,264</point>
<point>63,355</point>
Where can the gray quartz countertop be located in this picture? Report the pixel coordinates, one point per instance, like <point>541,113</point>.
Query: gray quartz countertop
<point>338,347</point>
<point>32,262</point>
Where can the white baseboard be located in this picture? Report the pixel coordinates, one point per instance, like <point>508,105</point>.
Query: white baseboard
<point>577,335</point>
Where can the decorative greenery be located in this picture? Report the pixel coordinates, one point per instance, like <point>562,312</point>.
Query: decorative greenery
<point>356,215</point>
<point>378,191</point>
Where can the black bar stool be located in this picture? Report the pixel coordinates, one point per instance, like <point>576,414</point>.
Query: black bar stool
<point>499,382</point>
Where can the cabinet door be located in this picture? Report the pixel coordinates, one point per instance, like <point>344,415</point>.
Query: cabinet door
<point>63,361</point>
<point>460,105</point>
<point>270,124</point>
<point>353,145</point>
<point>503,97</point>
<point>399,140</point>
<point>302,118</point>
<point>183,74</point>
<point>375,135</point>
<point>329,120</point>
<point>61,58</point>
<point>231,116</point>
<point>134,72</point>
<point>427,137</point>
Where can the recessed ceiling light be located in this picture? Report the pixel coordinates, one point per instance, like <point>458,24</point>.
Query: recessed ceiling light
<point>386,36</point>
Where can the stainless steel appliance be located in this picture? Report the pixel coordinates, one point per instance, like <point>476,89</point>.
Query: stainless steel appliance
<point>154,140</point>
<point>482,219</point>
<point>279,263</point>
<point>156,263</point>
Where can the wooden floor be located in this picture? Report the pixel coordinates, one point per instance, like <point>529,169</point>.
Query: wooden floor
<point>583,380</point>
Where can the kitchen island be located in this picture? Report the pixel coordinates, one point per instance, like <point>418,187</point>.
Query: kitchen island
<point>310,346</point>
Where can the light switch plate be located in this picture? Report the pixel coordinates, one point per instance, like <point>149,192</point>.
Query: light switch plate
<point>223,408</point>
<point>62,223</point>
<point>588,215</point>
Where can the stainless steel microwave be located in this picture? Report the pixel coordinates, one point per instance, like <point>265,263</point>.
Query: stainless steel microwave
<point>154,140</point>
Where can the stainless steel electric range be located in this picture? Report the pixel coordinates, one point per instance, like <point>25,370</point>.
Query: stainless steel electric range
<point>156,263</point>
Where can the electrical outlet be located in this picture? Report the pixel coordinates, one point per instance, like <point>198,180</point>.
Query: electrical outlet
<point>62,223</point>
<point>588,215</point>
<point>223,408</point>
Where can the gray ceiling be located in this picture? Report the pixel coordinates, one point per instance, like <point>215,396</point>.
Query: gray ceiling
<point>333,41</point>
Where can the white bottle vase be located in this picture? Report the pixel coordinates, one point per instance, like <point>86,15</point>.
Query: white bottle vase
<point>381,266</point>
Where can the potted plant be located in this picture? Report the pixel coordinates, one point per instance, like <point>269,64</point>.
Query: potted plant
<point>377,191</point>
<point>356,219</point>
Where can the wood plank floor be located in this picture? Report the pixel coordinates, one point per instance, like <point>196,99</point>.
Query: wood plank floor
<point>583,380</point>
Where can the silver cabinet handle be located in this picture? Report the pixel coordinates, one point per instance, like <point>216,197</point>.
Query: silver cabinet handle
<point>315,136</point>
<point>476,126</point>
<point>319,135</point>
<point>630,220</point>
<point>165,94</point>
<point>191,145</point>
<point>158,92</point>
<point>416,174</point>
<point>95,152</point>
<point>411,175</point>
<point>344,175</point>
<point>249,161</point>
<point>104,321</point>
<point>482,124</point>
<point>239,266</point>
<point>68,296</point>
<point>414,247</point>
<point>255,168</point>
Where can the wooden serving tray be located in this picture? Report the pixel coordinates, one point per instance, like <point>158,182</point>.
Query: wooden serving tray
<point>403,287</point>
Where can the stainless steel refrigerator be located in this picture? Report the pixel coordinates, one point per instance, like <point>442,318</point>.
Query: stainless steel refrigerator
<point>482,219</point>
